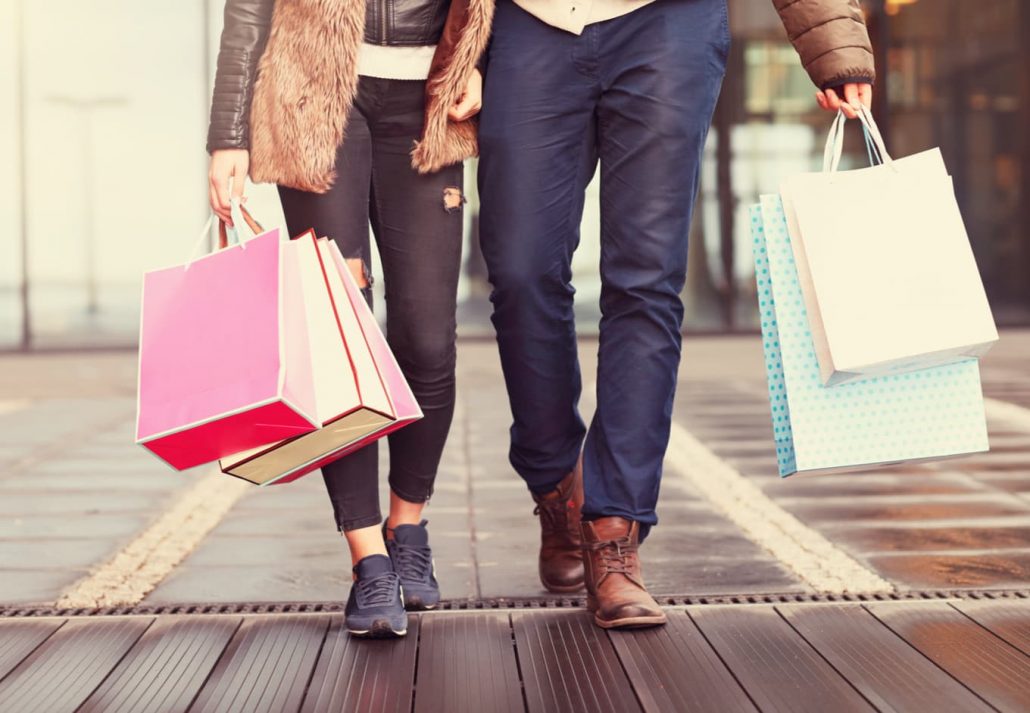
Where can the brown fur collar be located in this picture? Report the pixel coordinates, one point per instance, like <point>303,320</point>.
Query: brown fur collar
<point>307,79</point>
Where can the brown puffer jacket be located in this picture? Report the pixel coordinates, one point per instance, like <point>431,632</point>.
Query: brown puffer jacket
<point>831,38</point>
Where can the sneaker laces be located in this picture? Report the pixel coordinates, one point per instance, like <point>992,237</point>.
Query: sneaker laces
<point>414,562</point>
<point>377,591</point>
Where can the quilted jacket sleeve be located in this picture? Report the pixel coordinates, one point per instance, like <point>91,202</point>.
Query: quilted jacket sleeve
<point>243,40</point>
<point>831,38</point>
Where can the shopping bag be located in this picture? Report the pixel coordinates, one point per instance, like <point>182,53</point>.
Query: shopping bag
<point>927,414</point>
<point>224,363</point>
<point>362,394</point>
<point>886,268</point>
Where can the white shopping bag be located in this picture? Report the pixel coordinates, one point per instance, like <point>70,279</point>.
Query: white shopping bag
<point>929,414</point>
<point>886,269</point>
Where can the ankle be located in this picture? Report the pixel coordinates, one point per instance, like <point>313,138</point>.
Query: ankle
<point>365,542</point>
<point>402,512</point>
<point>393,522</point>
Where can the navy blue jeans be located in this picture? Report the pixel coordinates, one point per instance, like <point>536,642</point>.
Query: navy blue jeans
<point>635,93</point>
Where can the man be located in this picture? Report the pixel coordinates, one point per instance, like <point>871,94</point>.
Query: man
<point>632,84</point>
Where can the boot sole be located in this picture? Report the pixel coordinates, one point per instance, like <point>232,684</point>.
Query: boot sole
<point>631,622</point>
<point>563,588</point>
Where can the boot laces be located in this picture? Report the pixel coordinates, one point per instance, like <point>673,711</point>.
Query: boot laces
<point>554,515</point>
<point>377,591</point>
<point>615,555</point>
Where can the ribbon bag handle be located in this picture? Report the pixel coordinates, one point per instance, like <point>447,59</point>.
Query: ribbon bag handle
<point>240,216</point>
<point>875,145</point>
<point>865,115</point>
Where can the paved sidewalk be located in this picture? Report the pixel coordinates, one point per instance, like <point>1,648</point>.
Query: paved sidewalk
<point>74,492</point>
<point>74,489</point>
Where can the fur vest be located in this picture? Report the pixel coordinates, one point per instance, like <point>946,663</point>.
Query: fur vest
<point>307,78</point>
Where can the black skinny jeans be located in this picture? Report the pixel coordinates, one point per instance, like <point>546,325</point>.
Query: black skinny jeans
<point>417,221</point>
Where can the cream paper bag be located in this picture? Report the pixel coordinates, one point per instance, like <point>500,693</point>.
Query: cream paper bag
<point>360,392</point>
<point>887,273</point>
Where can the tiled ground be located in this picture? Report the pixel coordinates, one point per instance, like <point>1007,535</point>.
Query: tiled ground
<point>74,490</point>
<point>961,523</point>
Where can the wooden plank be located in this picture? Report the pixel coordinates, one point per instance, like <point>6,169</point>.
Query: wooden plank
<point>673,669</point>
<point>20,637</point>
<point>355,676</point>
<point>466,664</point>
<point>167,667</point>
<point>569,664</point>
<point>985,664</point>
<point>62,673</point>
<point>884,668</point>
<point>1007,619</point>
<point>266,666</point>
<point>779,670</point>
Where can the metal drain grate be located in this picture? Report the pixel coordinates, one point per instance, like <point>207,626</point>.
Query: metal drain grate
<point>522,603</point>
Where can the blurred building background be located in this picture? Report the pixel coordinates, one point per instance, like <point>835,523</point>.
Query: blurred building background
<point>103,115</point>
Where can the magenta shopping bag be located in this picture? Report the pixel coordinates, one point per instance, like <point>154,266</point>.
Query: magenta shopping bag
<point>224,362</point>
<point>362,394</point>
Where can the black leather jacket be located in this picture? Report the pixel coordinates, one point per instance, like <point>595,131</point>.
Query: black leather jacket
<point>387,22</point>
<point>405,22</point>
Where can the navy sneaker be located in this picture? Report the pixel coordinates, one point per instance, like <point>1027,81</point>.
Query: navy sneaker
<point>374,608</point>
<point>413,562</point>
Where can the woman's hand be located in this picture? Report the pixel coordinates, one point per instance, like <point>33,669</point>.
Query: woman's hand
<point>471,100</point>
<point>226,164</point>
<point>853,94</point>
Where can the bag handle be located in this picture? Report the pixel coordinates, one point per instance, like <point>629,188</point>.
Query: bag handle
<point>240,216</point>
<point>875,145</point>
<point>238,211</point>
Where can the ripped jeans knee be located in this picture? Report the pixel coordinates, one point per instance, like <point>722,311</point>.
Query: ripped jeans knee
<point>453,199</point>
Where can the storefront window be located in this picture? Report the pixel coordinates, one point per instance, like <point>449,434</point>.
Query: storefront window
<point>970,99</point>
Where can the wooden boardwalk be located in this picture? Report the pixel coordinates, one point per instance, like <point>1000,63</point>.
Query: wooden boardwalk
<point>957,655</point>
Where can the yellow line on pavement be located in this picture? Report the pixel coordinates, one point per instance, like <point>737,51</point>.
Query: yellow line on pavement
<point>13,405</point>
<point>1009,413</point>
<point>141,565</point>
<point>815,560</point>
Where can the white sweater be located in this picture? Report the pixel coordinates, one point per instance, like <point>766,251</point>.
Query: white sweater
<point>389,62</point>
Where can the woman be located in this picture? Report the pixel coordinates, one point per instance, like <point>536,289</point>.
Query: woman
<point>363,111</point>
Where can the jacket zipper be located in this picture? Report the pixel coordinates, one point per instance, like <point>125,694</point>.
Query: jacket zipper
<point>382,22</point>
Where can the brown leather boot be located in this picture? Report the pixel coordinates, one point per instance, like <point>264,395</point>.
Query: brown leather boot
<point>615,587</point>
<point>561,551</point>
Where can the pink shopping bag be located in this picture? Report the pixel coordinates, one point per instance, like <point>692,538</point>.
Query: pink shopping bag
<point>362,394</point>
<point>224,362</point>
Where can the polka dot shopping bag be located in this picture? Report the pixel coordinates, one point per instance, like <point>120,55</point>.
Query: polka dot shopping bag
<point>927,414</point>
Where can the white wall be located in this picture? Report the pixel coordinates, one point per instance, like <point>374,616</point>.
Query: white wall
<point>10,224</point>
<point>141,66</point>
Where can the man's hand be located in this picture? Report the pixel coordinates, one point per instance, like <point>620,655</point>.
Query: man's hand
<point>471,100</point>
<point>853,95</point>
<point>226,164</point>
